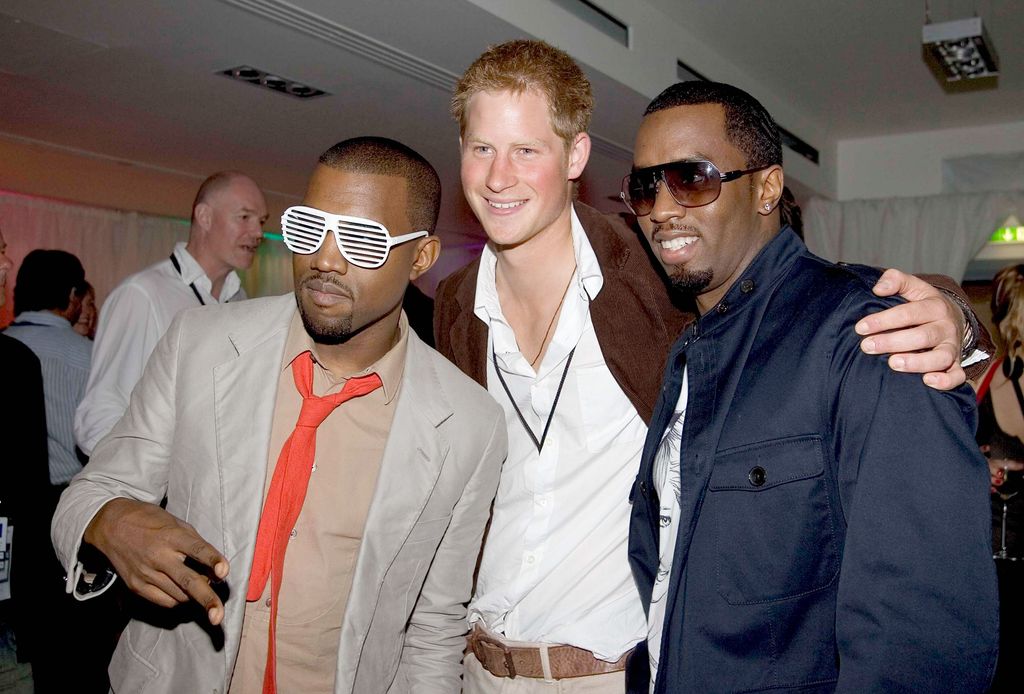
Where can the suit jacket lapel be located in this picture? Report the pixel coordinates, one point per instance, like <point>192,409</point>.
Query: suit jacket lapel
<point>245,391</point>
<point>467,337</point>
<point>413,457</point>
<point>634,293</point>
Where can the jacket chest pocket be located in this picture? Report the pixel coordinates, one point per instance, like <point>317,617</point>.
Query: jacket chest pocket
<point>771,504</point>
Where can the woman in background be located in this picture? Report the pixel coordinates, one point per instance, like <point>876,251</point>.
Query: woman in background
<point>1001,437</point>
<point>86,325</point>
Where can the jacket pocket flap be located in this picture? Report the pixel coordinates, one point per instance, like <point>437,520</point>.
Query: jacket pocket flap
<point>758,466</point>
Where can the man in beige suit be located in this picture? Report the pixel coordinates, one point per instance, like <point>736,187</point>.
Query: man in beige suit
<point>380,559</point>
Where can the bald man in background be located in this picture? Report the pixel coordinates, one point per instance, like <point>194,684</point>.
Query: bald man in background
<point>227,227</point>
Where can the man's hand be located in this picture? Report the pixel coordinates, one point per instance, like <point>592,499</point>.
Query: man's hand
<point>148,548</point>
<point>922,336</point>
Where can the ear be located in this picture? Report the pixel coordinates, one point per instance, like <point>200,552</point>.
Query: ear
<point>204,215</point>
<point>427,251</point>
<point>772,181</point>
<point>579,154</point>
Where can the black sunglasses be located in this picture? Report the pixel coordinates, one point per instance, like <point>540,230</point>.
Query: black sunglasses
<point>690,183</point>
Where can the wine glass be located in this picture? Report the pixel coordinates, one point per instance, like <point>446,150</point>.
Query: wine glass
<point>1013,484</point>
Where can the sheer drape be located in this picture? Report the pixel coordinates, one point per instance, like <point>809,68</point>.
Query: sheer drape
<point>112,244</point>
<point>939,234</point>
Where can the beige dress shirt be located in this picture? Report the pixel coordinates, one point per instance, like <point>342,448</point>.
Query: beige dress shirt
<point>321,556</point>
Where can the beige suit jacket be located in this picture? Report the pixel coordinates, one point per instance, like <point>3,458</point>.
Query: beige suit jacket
<point>197,430</point>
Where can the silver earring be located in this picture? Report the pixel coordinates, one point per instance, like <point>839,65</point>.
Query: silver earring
<point>767,207</point>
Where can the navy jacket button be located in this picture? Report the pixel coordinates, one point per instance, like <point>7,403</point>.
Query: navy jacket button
<point>757,476</point>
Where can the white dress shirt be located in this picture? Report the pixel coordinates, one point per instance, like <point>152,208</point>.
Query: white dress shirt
<point>555,567</point>
<point>64,360</point>
<point>133,319</point>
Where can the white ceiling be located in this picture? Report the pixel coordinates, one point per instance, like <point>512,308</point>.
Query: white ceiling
<point>136,81</point>
<point>857,67</point>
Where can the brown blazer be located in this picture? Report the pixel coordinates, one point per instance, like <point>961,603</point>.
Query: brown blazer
<point>634,318</point>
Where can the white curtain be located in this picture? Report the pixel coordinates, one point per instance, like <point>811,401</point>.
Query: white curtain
<point>113,244</point>
<point>939,234</point>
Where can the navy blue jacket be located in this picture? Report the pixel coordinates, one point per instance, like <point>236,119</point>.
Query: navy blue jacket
<point>859,559</point>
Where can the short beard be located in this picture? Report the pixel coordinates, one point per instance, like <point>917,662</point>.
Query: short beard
<point>690,283</point>
<point>333,333</point>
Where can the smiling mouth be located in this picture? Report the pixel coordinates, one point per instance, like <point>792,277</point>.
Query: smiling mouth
<point>505,205</point>
<point>677,243</point>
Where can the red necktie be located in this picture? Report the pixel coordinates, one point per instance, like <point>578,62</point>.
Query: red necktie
<point>288,491</point>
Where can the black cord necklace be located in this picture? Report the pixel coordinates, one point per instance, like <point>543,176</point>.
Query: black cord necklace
<point>558,393</point>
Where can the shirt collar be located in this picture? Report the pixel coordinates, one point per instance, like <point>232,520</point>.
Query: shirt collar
<point>42,318</point>
<point>588,272</point>
<point>389,367</point>
<point>192,272</point>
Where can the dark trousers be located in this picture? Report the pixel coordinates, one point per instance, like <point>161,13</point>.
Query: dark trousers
<point>69,642</point>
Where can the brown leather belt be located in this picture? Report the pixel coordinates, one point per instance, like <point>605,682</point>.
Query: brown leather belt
<point>503,660</point>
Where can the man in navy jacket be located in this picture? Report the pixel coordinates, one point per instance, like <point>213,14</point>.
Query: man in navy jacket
<point>792,526</point>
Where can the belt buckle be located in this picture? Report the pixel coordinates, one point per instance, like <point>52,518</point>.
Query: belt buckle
<point>478,637</point>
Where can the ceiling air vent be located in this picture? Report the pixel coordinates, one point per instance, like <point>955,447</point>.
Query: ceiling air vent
<point>260,78</point>
<point>589,12</point>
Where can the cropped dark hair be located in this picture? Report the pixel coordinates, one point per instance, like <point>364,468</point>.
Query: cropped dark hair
<point>46,279</point>
<point>748,125</point>
<point>385,157</point>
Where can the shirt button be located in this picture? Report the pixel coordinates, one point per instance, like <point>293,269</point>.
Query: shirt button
<point>747,286</point>
<point>294,532</point>
<point>314,467</point>
<point>757,476</point>
<point>530,559</point>
<point>722,307</point>
<point>267,602</point>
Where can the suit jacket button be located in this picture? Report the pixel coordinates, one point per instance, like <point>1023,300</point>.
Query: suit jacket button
<point>757,476</point>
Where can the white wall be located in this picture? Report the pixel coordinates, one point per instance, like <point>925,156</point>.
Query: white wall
<point>911,165</point>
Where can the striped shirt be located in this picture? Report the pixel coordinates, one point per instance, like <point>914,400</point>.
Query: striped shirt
<point>64,358</point>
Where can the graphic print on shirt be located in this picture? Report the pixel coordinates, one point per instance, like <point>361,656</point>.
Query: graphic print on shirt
<point>667,481</point>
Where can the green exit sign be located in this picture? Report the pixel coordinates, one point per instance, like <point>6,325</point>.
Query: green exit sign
<point>1008,235</point>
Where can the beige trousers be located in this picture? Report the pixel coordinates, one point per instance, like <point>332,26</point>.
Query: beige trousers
<point>477,680</point>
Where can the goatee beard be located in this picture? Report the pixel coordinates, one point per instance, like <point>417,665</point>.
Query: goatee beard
<point>690,282</point>
<point>326,333</point>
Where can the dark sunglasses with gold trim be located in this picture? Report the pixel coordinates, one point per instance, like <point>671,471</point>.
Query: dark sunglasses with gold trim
<point>691,183</point>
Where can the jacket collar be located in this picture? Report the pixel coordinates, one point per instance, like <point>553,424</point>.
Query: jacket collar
<point>769,267</point>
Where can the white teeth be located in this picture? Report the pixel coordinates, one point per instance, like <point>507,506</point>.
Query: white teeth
<point>505,205</point>
<point>677,243</point>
